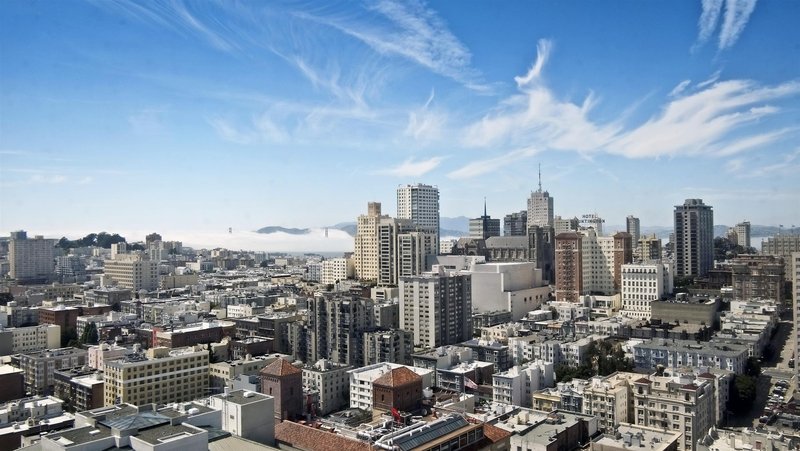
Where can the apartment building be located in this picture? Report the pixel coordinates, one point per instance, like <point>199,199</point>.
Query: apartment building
<point>436,308</point>
<point>694,238</point>
<point>420,204</point>
<point>516,385</point>
<point>361,379</point>
<point>680,403</point>
<point>335,270</point>
<point>161,375</point>
<point>331,382</point>
<point>643,283</point>
<point>15,340</point>
<point>131,271</point>
<point>40,365</point>
<point>650,354</point>
<point>31,260</point>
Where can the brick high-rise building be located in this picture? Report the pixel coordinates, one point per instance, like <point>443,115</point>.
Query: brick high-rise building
<point>569,266</point>
<point>623,254</point>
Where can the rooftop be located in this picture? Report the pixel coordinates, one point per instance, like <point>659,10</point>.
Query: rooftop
<point>398,377</point>
<point>280,367</point>
<point>242,397</point>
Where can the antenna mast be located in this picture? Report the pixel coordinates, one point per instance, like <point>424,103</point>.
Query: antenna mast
<point>540,177</point>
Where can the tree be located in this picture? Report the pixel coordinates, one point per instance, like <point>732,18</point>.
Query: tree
<point>753,367</point>
<point>90,335</point>
<point>742,394</point>
<point>5,298</point>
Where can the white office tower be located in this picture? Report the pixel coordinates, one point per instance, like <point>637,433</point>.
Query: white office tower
<point>540,206</point>
<point>420,204</point>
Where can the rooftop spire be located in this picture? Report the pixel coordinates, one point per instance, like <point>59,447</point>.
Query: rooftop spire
<point>540,177</point>
<point>484,205</point>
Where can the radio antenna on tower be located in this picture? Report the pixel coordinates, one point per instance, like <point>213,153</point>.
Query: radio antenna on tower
<point>540,177</point>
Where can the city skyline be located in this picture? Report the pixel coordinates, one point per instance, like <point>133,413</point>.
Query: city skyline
<point>197,117</point>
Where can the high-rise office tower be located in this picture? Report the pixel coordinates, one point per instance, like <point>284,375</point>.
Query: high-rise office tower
<point>420,204</point>
<point>742,230</point>
<point>516,224</point>
<point>694,238</point>
<point>484,227</point>
<point>632,223</point>
<point>540,206</point>
<point>31,260</point>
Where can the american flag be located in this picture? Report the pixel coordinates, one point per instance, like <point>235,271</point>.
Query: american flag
<point>469,383</point>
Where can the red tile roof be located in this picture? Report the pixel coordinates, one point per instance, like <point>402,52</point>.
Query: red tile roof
<point>280,367</point>
<point>397,378</point>
<point>310,439</point>
<point>494,433</point>
<point>643,380</point>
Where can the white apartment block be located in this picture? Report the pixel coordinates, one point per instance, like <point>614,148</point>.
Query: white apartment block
<point>516,385</point>
<point>33,338</point>
<point>361,381</point>
<point>31,259</point>
<point>643,283</point>
<point>446,246</point>
<point>436,308</point>
<point>98,355</point>
<point>608,398</point>
<point>742,230</point>
<point>331,381</point>
<point>650,354</point>
<point>598,262</point>
<point>681,403</point>
<point>335,270</point>
<point>161,376</point>
<point>131,271</point>
<point>243,415</point>
<point>648,248</point>
<point>420,204</point>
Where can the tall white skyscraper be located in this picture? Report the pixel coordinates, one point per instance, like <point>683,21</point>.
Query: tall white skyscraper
<point>795,278</point>
<point>420,204</point>
<point>694,238</point>
<point>540,206</point>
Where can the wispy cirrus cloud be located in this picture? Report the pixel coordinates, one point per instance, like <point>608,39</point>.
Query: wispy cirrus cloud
<point>735,15</point>
<point>785,164</point>
<point>412,31</point>
<point>261,129</point>
<point>412,167</point>
<point>711,119</point>
<point>426,124</point>
<point>485,166</point>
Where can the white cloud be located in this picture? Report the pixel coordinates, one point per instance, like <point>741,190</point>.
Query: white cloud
<point>426,124</point>
<point>737,14</point>
<point>486,166</point>
<point>709,18</point>
<point>543,49</point>
<point>414,32</point>
<point>711,120</point>
<point>710,81</point>
<point>228,132</point>
<point>679,88</point>
<point>260,130</point>
<point>412,168</point>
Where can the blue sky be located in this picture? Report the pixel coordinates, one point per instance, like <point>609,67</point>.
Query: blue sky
<point>203,115</point>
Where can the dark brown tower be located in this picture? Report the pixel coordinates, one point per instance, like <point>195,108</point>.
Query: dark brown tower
<point>283,381</point>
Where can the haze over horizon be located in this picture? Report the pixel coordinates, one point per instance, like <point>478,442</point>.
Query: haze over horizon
<point>125,116</point>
